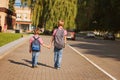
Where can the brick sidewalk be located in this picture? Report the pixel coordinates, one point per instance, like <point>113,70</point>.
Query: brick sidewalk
<point>17,66</point>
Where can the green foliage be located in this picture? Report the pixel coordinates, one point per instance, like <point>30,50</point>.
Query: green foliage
<point>84,14</point>
<point>107,15</point>
<point>77,14</point>
<point>11,5</point>
<point>8,37</point>
<point>46,13</point>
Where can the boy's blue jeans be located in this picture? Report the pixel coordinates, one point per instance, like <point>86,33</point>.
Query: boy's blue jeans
<point>35,58</point>
<point>57,57</point>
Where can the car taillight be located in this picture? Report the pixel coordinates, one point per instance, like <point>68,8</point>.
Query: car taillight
<point>73,32</point>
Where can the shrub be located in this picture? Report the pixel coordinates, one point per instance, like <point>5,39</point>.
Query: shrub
<point>8,37</point>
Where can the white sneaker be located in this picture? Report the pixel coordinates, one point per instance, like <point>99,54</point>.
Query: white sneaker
<point>58,68</point>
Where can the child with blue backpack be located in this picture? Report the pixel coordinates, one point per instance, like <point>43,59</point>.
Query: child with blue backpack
<point>35,47</point>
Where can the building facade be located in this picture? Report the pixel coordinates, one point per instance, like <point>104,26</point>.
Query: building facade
<point>7,17</point>
<point>23,17</point>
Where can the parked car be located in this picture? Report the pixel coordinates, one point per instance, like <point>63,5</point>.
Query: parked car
<point>71,34</point>
<point>109,36</point>
<point>90,35</point>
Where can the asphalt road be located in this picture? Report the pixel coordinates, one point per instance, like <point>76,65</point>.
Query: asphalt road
<point>103,53</point>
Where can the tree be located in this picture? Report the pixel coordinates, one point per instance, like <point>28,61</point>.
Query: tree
<point>107,15</point>
<point>46,13</point>
<point>102,15</point>
<point>85,10</point>
<point>11,5</point>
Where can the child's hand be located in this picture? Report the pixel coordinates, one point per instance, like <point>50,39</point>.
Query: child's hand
<point>49,47</point>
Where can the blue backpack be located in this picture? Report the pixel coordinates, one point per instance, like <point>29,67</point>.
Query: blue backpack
<point>35,45</point>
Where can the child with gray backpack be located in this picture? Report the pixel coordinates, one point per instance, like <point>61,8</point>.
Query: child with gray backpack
<point>59,39</point>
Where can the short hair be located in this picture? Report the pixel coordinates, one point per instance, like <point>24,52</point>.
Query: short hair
<point>60,23</point>
<point>37,31</point>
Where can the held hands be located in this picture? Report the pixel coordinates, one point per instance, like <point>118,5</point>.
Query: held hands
<point>49,46</point>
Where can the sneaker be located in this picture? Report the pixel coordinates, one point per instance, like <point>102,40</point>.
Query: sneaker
<point>57,68</point>
<point>34,66</point>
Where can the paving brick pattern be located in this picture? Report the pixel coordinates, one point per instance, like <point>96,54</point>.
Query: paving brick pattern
<point>17,66</point>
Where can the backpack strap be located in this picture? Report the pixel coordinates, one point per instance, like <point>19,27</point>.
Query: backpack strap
<point>36,38</point>
<point>57,30</point>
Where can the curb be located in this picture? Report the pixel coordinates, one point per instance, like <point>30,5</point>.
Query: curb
<point>4,50</point>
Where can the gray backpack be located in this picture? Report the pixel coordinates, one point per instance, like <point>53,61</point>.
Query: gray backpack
<point>59,39</point>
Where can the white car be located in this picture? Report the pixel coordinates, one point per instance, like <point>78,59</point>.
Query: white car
<point>90,35</point>
<point>109,36</point>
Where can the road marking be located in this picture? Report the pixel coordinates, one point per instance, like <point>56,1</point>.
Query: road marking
<point>113,78</point>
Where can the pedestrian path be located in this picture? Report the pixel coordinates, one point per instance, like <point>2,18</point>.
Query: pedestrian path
<point>4,50</point>
<point>16,65</point>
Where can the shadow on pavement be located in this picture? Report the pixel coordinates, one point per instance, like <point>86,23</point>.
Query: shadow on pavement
<point>101,48</point>
<point>45,65</point>
<point>19,63</point>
